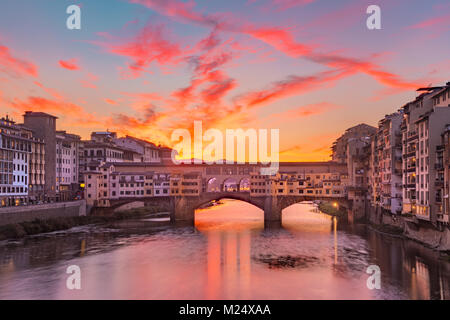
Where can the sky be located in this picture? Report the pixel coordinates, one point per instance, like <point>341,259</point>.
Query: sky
<point>310,68</point>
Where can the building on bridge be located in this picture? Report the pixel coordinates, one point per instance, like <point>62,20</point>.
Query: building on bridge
<point>107,184</point>
<point>123,180</point>
<point>182,189</point>
<point>297,184</point>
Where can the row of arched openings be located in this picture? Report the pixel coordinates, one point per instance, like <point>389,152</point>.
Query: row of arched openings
<point>228,185</point>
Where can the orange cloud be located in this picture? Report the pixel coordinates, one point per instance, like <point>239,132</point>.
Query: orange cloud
<point>110,101</point>
<point>72,113</point>
<point>55,94</point>
<point>308,110</point>
<point>71,64</point>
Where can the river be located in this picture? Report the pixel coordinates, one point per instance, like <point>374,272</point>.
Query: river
<point>227,255</point>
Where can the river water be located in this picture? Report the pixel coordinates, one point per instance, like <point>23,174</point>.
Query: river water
<point>228,255</point>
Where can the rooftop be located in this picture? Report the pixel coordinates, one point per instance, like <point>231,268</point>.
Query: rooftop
<point>38,114</point>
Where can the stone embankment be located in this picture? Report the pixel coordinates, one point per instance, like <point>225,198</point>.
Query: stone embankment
<point>411,228</point>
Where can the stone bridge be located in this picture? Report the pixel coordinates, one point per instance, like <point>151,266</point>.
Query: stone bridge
<point>182,208</point>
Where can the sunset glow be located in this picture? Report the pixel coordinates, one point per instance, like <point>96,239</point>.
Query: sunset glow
<point>310,68</point>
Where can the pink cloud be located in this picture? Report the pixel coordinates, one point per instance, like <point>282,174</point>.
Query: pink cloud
<point>293,85</point>
<point>14,66</point>
<point>440,21</point>
<point>277,37</point>
<point>150,44</point>
<point>89,81</point>
<point>110,101</point>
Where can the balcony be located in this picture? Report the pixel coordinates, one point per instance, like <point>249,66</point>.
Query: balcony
<point>412,136</point>
<point>409,154</point>
<point>439,182</point>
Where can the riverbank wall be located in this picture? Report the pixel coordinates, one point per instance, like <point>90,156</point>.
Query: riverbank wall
<point>13,215</point>
<point>410,227</point>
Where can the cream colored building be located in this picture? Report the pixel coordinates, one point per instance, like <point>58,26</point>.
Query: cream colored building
<point>298,184</point>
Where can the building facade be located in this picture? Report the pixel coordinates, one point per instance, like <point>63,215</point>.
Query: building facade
<point>36,175</point>
<point>67,166</point>
<point>443,177</point>
<point>339,147</point>
<point>146,151</point>
<point>386,164</point>
<point>15,151</point>
<point>44,128</point>
<point>425,120</point>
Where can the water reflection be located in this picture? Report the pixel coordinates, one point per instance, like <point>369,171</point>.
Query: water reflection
<point>228,255</point>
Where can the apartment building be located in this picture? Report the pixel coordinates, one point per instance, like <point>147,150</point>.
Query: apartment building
<point>15,150</point>
<point>146,151</point>
<point>43,126</point>
<point>386,164</point>
<point>424,122</point>
<point>297,184</point>
<point>358,170</point>
<point>36,167</point>
<point>161,184</point>
<point>104,148</point>
<point>106,183</point>
<point>186,184</point>
<point>109,182</point>
<point>67,165</point>
<point>443,178</point>
<point>339,147</point>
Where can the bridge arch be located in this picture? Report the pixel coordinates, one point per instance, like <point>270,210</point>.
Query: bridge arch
<point>213,185</point>
<point>259,203</point>
<point>230,185</point>
<point>244,184</point>
<point>287,202</point>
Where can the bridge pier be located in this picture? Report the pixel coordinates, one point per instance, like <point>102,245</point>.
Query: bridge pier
<point>182,210</point>
<point>272,209</point>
